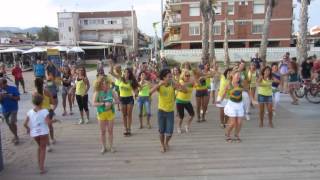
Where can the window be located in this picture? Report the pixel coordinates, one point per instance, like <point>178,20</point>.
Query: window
<point>258,8</point>
<point>257,27</point>
<point>218,8</point>
<point>70,29</point>
<point>231,27</point>
<point>61,25</point>
<point>85,22</point>
<point>217,29</point>
<point>194,10</point>
<point>231,8</point>
<point>194,29</point>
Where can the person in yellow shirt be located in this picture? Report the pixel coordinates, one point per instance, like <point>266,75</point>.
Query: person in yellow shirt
<point>128,86</point>
<point>221,103</point>
<point>265,94</point>
<point>183,101</point>
<point>252,75</point>
<point>166,89</point>
<point>104,99</point>
<point>82,87</point>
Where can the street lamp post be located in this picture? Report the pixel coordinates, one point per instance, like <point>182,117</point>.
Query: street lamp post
<point>1,158</point>
<point>162,26</point>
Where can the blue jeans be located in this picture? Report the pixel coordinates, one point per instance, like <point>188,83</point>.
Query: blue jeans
<point>144,101</point>
<point>166,122</point>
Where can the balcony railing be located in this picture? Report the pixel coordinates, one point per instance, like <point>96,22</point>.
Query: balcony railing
<point>172,38</point>
<point>173,1</point>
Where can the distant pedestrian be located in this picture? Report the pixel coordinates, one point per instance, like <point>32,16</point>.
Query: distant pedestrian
<point>293,81</point>
<point>66,86</point>
<point>18,76</point>
<point>39,70</point>
<point>276,79</point>
<point>82,87</point>
<point>257,61</point>
<point>37,123</point>
<point>9,97</point>
<point>3,72</point>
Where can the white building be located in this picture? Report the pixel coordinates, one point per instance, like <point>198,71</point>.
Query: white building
<point>118,27</point>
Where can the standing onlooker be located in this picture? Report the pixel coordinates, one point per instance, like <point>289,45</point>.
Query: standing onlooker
<point>257,61</point>
<point>66,86</point>
<point>3,72</point>
<point>306,68</point>
<point>18,77</point>
<point>82,87</point>
<point>276,78</point>
<point>293,81</point>
<point>37,123</point>
<point>51,68</point>
<point>265,94</point>
<point>283,67</point>
<point>39,70</point>
<point>9,97</point>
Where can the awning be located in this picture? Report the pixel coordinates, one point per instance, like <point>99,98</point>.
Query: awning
<point>76,50</point>
<point>11,50</point>
<point>35,50</point>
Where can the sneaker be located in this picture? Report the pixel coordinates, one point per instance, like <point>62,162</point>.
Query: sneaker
<point>187,129</point>
<point>247,117</point>
<point>80,121</point>
<point>179,130</point>
<point>86,121</point>
<point>49,149</point>
<point>103,150</point>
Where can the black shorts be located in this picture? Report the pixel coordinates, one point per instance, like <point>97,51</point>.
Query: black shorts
<point>127,100</point>
<point>202,93</point>
<point>182,106</point>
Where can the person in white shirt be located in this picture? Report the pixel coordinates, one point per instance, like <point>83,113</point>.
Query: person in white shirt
<point>36,123</point>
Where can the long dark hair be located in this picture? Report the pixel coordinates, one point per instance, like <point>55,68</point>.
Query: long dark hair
<point>133,81</point>
<point>164,73</point>
<point>264,71</point>
<point>225,73</point>
<point>38,83</point>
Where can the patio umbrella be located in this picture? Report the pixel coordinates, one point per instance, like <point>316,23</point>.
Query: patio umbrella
<point>35,50</point>
<point>76,50</point>
<point>11,50</point>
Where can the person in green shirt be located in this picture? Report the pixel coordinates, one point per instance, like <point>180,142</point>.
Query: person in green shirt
<point>144,99</point>
<point>265,94</point>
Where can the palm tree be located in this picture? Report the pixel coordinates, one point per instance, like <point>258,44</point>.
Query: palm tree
<point>303,31</point>
<point>225,44</point>
<point>264,42</point>
<point>212,56</point>
<point>205,14</point>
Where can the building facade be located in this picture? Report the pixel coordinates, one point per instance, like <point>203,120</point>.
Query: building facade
<point>118,27</point>
<point>245,18</point>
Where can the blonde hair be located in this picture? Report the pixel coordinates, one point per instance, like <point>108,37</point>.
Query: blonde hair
<point>100,81</point>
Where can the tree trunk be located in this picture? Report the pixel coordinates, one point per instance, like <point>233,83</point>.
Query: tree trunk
<point>225,45</point>
<point>303,32</point>
<point>265,33</point>
<point>212,55</point>
<point>205,30</point>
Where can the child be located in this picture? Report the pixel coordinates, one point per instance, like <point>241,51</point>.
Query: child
<point>104,99</point>
<point>36,123</point>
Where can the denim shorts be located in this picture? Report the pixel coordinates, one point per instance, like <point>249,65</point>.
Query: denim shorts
<point>127,100</point>
<point>144,102</point>
<point>264,99</point>
<point>166,122</point>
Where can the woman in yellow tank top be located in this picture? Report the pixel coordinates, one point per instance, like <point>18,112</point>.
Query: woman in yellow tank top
<point>127,86</point>
<point>252,80</point>
<point>166,89</point>
<point>82,87</point>
<point>265,94</point>
<point>183,101</point>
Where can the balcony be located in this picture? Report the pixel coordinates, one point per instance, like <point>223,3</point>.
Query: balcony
<point>174,5</point>
<point>172,39</point>
<point>175,20</point>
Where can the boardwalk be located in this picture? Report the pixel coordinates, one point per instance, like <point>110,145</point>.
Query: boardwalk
<point>289,151</point>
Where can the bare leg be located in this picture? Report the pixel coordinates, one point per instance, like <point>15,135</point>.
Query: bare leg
<point>110,132</point>
<point>167,142</point>
<point>269,106</point>
<point>70,103</point>
<point>42,152</point>
<point>64,104</point>
<point>129,116</point>
<point>261,114</point>
<point>198,101</point>
<point>205,104</point>
<point>124,118</point>
<point>163,148</point>
<point>103,135</point>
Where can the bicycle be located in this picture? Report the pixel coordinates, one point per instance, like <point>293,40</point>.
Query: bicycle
<point>313,93</point>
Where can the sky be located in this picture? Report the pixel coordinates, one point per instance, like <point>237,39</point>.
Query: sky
<point>37,13</point>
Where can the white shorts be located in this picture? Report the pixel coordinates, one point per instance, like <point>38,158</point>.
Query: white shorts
<point>213,86</point>
<point>222,103</point>
<point>233,109</point>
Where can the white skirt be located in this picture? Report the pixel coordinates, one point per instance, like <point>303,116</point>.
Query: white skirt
<point>222,103</point>
<point>233,109</point>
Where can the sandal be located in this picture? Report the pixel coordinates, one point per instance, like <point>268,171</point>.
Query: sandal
<point>228,139</point>
<point>237,139</point>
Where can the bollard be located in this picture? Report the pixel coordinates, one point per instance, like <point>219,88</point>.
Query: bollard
<point>1,158</point>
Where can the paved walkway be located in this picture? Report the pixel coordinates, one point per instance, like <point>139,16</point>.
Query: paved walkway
<point>289,151</point>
